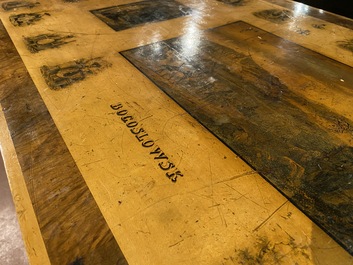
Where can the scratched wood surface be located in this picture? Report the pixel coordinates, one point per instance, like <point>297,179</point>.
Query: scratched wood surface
<point>168,189</point>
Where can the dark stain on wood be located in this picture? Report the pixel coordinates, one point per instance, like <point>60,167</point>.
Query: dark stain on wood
<point>346,44</point>
<point>70,221</point>
<point>25,19</point>
<point>47,41</point>
<point>263,251</point>
<point>8,6</point>
<point>63,75</point>
<point>302,147</point>
<point>275,15</point>
<point>131,15</point>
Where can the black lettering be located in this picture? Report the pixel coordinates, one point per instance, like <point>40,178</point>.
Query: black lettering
<point>127,118</point>
<point>116,106</point>
<point>132,124</point>
<point>148,143</point>
<point>173,176</point>
<point>160,152</point>
<point>140,137</point>
<point>138,131</point>
<point>156,151</point>
<point>122,112</point>
<point>161,156</point>
<point>169,165</point>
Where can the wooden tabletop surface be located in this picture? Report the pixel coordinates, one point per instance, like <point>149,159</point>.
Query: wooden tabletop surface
<point>178,132</point>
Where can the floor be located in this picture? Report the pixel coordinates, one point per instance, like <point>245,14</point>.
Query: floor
<point>11,245</point>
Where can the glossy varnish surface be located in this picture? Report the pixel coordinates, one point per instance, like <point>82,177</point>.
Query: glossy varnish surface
<point>168,189</point>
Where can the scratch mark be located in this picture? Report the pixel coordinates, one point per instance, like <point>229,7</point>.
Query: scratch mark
<point>269,217</point>
<point>236,177</point>
<point>176,243</point>
<point>106,189</point>
<point>145,118</point>
<point>211,175</point>
<point>222,217</point>
<point>93,162</point>
<point>257,185</point>
<point>244,195</point>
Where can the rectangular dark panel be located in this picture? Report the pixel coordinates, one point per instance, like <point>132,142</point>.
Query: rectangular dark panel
<point>223,78</point>
<point>131,15</point>
<point>73,228</point>
<point>317,13</point>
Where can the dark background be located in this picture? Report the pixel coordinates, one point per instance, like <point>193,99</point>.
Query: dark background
<point>341,7</point>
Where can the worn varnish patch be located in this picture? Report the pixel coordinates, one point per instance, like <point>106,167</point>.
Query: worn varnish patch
<point>131,15</point>
<point>70,221</point>
<point>63,75</point>
<point>302,146</point>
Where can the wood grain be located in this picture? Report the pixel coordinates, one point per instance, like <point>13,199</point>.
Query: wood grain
<point>70,221</point>
<point>267,105</point>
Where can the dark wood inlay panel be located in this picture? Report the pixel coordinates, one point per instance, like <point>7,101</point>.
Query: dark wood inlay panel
<point>302,146</point>
<point>315,12</point>
<point>131,15</point>
<point>72,226</point>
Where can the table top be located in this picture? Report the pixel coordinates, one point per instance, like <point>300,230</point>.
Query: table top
<point>183,132</point>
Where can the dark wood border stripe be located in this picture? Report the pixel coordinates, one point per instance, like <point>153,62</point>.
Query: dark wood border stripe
<point>73,228</point>
<point>315,12</point>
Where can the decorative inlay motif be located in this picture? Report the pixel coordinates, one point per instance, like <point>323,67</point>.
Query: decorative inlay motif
<point>318,26</point>
<point>63,75</point>
<point>18,4</point>
<point>26,19</point>
<point>46,41</point>
<point>300,31</point>
<point>346,44</point>
<point>131,15</point>
<point>264,251</point>
<point>275,15</point>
